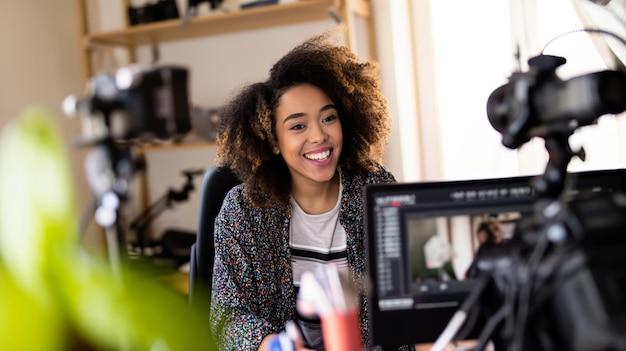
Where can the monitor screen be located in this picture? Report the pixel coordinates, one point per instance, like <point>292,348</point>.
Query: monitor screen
<point>422,238</point>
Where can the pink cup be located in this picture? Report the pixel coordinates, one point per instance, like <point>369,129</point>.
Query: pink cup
<point>341,331</point>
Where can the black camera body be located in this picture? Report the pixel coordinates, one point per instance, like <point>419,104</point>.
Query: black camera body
<point>538,102</point>
<point>160,10</point>
<point>136,102</point>
<point>560,282</point>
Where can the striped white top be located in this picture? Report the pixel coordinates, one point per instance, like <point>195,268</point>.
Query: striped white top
<point>310,240</point>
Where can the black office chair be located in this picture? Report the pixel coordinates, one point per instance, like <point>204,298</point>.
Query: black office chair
<point>215,185</point>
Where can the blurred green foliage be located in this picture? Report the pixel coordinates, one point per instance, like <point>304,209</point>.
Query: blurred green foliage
<point>53,296</point>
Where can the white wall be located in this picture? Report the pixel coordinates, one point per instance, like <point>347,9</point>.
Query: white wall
<point>404,153</point>
<point>469,55</point>
<point>39,65</point>
<point>39,61</point>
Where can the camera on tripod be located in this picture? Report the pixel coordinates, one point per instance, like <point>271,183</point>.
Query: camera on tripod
<point>549,270</point>
<point>560,282</point>
<point>118,109</point>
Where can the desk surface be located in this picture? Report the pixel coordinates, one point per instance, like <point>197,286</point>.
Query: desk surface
<point>463,344</point>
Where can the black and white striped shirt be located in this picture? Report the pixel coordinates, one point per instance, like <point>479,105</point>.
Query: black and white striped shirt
<point>310,237</point>
<point>314,241</point>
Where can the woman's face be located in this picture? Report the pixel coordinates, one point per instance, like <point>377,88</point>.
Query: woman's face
<point>309,134</point>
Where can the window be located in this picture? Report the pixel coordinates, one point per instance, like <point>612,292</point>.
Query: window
<point>463,51</point>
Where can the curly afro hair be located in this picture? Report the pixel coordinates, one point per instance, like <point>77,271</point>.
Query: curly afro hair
<point>246,132</point>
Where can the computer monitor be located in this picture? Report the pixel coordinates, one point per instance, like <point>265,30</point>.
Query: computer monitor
<point>421,240</point>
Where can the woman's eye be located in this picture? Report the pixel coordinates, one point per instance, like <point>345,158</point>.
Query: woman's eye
<point>297,127</point>
<point>329,118</point>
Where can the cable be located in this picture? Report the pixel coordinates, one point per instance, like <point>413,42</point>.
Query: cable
<point>586,30</point>
<point>468,326</point>
<point>457,320</point>
<point>490,327</point>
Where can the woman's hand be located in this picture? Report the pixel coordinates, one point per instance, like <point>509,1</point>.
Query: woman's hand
<point>266,341</point>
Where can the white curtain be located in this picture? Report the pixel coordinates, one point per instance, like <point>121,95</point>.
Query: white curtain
<point>462,51</point>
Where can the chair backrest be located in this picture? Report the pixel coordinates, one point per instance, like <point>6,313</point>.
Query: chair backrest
<point>215,185</point>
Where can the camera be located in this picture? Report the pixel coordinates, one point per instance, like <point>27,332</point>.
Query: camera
<point>117,110</point>
<point>560,282</point>
<point>160,10</point>
<point>135,102</point>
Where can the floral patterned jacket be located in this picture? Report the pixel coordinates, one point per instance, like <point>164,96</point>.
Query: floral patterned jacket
<point>253,293</point>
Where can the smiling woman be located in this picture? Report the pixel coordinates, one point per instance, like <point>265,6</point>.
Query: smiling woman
<point>310,139</point>
<point>304,143</point>
<point>247,139</point>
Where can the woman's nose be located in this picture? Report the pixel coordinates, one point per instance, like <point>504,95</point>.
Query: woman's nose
<point>317,134</point>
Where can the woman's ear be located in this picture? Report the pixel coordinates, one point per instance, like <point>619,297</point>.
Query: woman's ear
<point>276,150</point>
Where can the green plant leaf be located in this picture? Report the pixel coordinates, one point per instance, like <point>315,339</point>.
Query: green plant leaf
<point>45,274</point>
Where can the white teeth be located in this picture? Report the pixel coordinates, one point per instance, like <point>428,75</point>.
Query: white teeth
<point>318,156</point>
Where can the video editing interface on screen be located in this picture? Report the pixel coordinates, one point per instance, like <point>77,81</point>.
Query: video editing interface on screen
<point>422,238</point>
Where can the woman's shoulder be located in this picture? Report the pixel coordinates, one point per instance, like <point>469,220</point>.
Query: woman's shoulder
<point>238,208</point>
<point>236,212</point>
<point>242,224</point>
<point>376,173</point>
<point>238,199</point>
<point>235,199</point>
<point>379,174</point>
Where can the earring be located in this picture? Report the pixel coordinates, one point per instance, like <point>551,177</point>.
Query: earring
<point>276,150</point>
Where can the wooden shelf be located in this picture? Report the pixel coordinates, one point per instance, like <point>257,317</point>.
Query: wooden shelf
<point>215,23</point>
<point>220,22</point>
<point>195,144</point>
